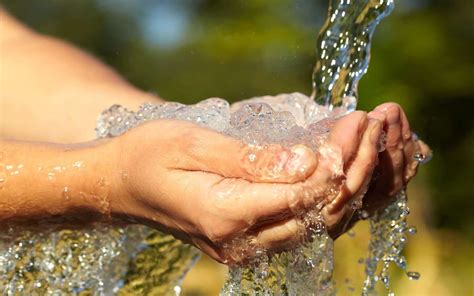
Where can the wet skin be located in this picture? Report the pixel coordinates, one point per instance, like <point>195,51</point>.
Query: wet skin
<point>202,187</point>
<point>175,176</point>
<point>208,192</point>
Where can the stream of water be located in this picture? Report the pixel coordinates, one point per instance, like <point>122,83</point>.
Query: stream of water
<point>108,260</point>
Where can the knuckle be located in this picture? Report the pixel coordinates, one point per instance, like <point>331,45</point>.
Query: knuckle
<point>394,106</point>
<point>294,199</point>
<point>220,232</point>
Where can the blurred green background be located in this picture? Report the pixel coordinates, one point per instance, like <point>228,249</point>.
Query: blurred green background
<point>422,58</point>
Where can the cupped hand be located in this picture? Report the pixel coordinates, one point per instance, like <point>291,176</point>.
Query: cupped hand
<point>398,163</point>
<point>209,189</point>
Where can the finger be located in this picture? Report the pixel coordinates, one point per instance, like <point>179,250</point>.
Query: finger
<point>271,202</point>
<point>262,203</point>
<point>392,159</point>
<point>411,164</point>
<point>360,171</point>
<point>406,133</point>
<point>210,151</point>
<point>377,115</point>
<point>417,146</point>
<point>282,235</point>
<point>343,141</point>
<point>210,249</point>
<point>272,238</point>
<point>383,119</point>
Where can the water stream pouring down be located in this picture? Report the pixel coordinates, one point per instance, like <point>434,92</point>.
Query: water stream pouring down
<point>107,260</point>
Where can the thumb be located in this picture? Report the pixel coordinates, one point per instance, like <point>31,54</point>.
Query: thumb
<point>210,151</point>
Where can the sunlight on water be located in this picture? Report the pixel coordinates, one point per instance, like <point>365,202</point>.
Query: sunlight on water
<point>343,48</point>
<point>108,260</point>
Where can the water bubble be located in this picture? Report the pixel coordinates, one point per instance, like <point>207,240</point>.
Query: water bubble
<point>51,176</point>
<point>413,275</point>
<point>252,157</point>
<point>66,193</point>
<point>363,214</point>
<point>412,230</point>
<point>87,260</point>
<point>78,164</point>
<point>3,180</point>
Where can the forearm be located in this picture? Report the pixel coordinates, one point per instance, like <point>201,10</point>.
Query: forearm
<point>47,181</point>
<point>51,91</point>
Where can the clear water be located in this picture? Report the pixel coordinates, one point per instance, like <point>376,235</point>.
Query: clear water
<point>287,119</point>
<point>106,260</point>
<point>389,230</point>
<point>343,48</point>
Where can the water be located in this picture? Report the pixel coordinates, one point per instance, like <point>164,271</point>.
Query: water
<point>343,48</point>
<point>102,260</point>
<point>287,119</point>
<point>388,229</point>
<point>343,57</point>
<point>108,260</point>
<point>105,260</point>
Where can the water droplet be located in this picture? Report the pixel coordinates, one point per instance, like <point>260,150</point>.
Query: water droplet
<point>101,182</point>
<point>3,180</point>
<point>252,157</point>
<point>418,156</point>
<point>413,275</point>
<point>363,214</point>
<point>66,193</point>
<point>412,230</point>
<point>78,164</point>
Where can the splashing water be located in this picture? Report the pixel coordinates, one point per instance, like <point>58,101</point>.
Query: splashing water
<point>388,229</point>
<point>343,57</point>
<point>344,49</point>
<point>108,260</point>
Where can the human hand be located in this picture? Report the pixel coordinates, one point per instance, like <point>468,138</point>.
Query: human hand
<point>398,163</point>
<point>204,188</point>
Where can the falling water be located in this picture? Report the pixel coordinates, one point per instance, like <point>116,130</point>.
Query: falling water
<point>343,57</point>
<point>108,260</point>
<point>343,49</point>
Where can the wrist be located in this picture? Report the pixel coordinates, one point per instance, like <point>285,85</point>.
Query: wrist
<point>81,181</point>
<point>118,165</point>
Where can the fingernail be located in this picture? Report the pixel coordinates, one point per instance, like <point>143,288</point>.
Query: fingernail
<point>375,131</point>
<point>301,159</point>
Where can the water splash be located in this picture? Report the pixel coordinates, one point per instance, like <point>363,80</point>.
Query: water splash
<point>102,260</point>
<point>343,49</point>
<point>388,229</point>
<point>107,260</point>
